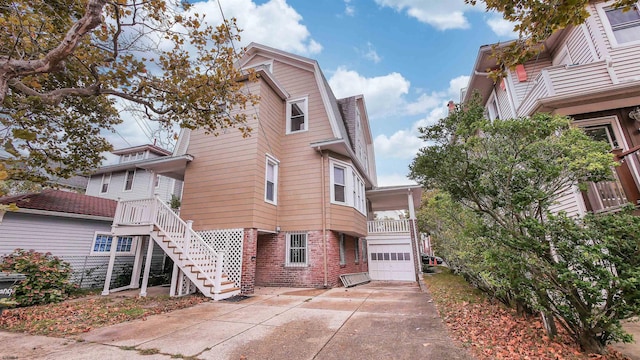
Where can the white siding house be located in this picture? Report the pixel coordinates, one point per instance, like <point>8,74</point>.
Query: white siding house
<point>589,72</point>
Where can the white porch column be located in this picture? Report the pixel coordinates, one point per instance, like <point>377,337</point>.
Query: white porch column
<point>137,265</point>
<point>112,260</point>
<point>187,237</point>
<point>174,281</point>
<point>147,268</point>
<point>412,210</point>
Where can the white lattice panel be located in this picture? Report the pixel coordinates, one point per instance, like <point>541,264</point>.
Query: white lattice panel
<point>229,241</point>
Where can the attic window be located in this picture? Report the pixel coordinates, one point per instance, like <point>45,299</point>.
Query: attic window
<point>297,118</point>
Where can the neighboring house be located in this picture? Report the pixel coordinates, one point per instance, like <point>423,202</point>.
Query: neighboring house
<point>133,177</point>
<point>74,227</point>
<point>591,73</point>
<point>291,205</point>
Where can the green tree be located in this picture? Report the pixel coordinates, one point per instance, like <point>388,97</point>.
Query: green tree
<point>535,21</point>
<point>509,173</point>
<point>66,64</point>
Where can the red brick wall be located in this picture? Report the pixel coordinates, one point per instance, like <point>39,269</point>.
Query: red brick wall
<point>248,261</point>
<point>270,269</point>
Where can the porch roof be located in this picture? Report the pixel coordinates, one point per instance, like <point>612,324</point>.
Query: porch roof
<point>394,197</point>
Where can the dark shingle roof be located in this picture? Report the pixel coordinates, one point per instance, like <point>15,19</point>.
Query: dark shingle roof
<point>65,202</point>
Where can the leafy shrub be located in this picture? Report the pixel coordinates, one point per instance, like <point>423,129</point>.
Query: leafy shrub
<point>47,277</point>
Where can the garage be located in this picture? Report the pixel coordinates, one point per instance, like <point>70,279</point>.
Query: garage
<point>391,261</point>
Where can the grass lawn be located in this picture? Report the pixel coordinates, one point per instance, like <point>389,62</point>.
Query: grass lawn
<point>83,314</point>
<point>492,331</point>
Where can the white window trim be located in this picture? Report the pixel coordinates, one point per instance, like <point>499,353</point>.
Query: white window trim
<point>134,246</point>
<point>102,182</point>
<point>267,63</point>
<point>493,98</point>
<point>133,180</point>
<point>343,258</point>
<point>276,169</point>
<point>349,186</point>
<point>607,26</point>
<point>288,263</point>
<point>357,250</point>
<point>156,179</point>
<point>305,100</point>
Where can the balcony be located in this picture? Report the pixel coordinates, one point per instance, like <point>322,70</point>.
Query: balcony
<point>388,227</point>
<point>565,80</point>
<point>608,196</point>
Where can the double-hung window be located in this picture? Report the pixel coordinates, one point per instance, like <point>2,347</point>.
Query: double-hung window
<point>102,245</point>
<point>297,115</point>
<point>128,181</point>
<point>271,181</point>
<point>297,250</point>
<point>104,184</point>
<point>347,187</point>
<point>357,250</point>
<point>624,26</point>
<point>339,184</point>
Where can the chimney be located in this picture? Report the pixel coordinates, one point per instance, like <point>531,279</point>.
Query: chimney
<point>452,106</point>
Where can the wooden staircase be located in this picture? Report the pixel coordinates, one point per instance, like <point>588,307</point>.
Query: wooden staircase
<point>196,259</point>
<point>203,279</point>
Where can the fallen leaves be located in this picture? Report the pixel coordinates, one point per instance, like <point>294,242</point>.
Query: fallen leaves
<point>82,315</point>
<point>492,331</point>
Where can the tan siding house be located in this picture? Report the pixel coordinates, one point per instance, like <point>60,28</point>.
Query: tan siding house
<point>288,205</point>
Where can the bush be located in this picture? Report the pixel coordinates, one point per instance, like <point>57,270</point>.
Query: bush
<point>47,277</point>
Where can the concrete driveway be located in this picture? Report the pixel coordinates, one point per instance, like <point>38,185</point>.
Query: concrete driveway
<point>373,321</point>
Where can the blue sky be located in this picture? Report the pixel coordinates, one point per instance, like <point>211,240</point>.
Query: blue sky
<point>408,58</point>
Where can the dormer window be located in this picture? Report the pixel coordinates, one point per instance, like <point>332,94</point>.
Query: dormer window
<point>297,117</point>
<point>132,157</point>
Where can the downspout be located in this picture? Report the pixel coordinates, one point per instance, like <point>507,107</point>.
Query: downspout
<point>414,220</point>
<point>324,221</point>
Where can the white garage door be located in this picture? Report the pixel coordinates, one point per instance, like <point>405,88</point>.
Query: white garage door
<point>391,262</point>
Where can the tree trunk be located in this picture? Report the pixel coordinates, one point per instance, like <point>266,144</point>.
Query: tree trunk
<point>589,343</point>
<point>549,323</point>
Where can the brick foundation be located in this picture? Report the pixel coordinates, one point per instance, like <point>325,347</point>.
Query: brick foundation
<point>270,268</point>
<point>249,247</point>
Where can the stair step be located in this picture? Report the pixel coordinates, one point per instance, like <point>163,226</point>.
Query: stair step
<point>229,290</point>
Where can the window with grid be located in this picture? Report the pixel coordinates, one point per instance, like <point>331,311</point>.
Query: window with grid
<point>128,182</point>
<point>297,246</point>
<point>343,261</point>
<point>102,244</point>
<point>357,250</point>
<point>625,25</point>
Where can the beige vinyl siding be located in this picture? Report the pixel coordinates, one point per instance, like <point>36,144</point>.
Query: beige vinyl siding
<point>504,107</point>
<point>569,202</point>
<point>533,69</point>
<point>59,235</point>
<point>141,183</point>
<point>300,197</point>
<point>271,124</point>
<point>579,46</point>
<point>625,57</point>
<point>579,78</point>
<point>343,218</point>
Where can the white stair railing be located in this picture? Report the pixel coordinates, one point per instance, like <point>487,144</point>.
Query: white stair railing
<point>388,226</point>
<point>197,252</point>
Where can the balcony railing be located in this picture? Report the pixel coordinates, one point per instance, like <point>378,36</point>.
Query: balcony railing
<point>608,196</point>
<point>567,79</point>
<point>388,226</point>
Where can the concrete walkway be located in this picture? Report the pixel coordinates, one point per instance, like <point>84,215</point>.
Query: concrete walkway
<point>373,321</point>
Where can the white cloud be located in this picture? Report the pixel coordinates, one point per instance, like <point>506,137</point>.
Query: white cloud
<point>371,54</point>
<point>394,179</point>
<point>501,27</point>
<point>443,15</point>
<point>349,9</point>
<point>404,144</point>
<point>272,23</point>
<point>383,94</point>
